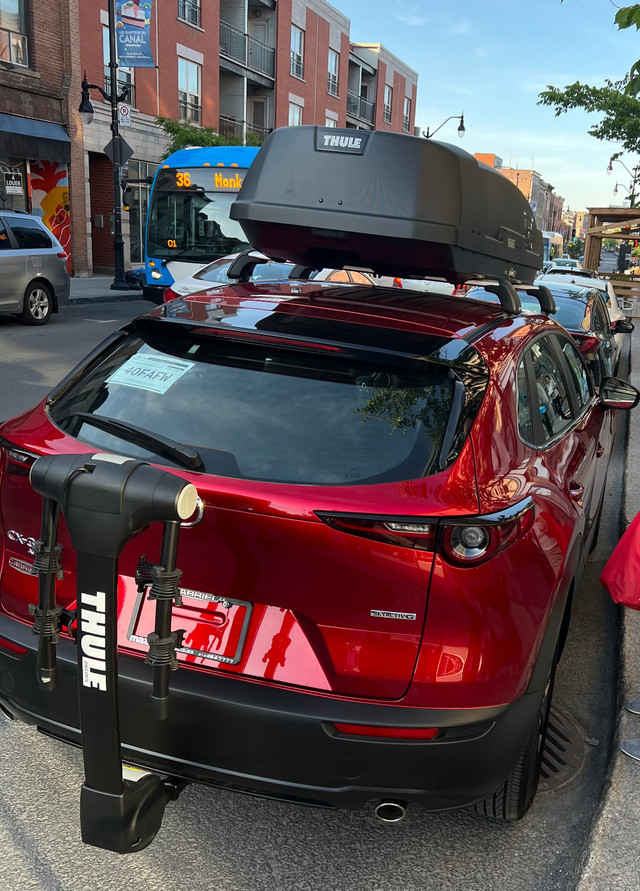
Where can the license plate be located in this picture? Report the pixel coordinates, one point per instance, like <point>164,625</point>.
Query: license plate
<point>215,628</point>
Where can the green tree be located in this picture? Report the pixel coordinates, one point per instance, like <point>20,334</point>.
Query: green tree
<point>183,135</point>
<point>616,100</point>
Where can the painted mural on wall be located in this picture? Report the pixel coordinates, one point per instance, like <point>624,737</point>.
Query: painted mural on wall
<point>50,195</point>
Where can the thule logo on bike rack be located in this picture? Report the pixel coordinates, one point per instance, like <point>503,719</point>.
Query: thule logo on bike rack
<point>92,640</point>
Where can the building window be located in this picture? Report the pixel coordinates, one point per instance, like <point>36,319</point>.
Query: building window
<point>189,11</point>
<point>332,81</point>
<point>406,116</point>
<point>13,32</point>
<point>388,95</point>
<point>297,51</point>
<point>189,108</point>
<point>125,75</point>
<point>330,122</point>
<point>295,115</point>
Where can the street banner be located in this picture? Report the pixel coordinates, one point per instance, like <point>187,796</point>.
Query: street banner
<point>133,21</point>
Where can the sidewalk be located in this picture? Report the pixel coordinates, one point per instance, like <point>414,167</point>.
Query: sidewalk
<point>97,289</point>
<point>612,861</point>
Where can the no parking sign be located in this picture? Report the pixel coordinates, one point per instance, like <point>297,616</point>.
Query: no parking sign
<point>124,115</point>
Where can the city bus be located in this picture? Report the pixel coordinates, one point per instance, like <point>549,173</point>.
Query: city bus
<point>188,223</point>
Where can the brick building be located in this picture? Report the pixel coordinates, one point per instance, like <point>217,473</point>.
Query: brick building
<point>237,66</point>
<point>39,73</point>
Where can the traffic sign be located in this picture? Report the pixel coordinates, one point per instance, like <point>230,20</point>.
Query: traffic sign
<point>125,150</point>
<point>124,115</point>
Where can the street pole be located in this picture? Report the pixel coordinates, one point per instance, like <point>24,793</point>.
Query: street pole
<point>119,282</point>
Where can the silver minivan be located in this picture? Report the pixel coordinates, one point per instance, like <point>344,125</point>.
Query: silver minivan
<point>33,272</point>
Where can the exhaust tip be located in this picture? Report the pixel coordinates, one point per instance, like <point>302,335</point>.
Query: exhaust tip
<point>391,811</point>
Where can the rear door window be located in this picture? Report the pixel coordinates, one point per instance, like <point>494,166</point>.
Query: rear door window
<point>263,412</point>
<point>544,407</point>
<point>29,234</point>
<point>5,240</point>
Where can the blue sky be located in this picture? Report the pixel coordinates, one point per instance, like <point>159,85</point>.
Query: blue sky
<point>490,60</point>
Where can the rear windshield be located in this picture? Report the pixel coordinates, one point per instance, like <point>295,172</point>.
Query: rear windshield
<point>265,413</point>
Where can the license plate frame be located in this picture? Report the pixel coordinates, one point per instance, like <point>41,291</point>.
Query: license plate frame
<point>234,618</point>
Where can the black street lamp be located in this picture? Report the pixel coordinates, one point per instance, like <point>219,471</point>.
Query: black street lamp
<point>461,129</point>
<point>86,113</point>
<point>634,174</point>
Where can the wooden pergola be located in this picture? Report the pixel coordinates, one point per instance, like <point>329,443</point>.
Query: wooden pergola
<point>608,222</point>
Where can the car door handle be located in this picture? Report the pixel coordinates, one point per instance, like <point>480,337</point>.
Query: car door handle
<point>576,491</point>
<point>599,450</point>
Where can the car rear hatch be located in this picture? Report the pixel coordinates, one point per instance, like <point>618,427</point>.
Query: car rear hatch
<point>329,450</point>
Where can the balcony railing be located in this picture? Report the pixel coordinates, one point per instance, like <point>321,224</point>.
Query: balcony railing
<point>122,83</point>
<point>229,126</point>
<point>297,65</point>
<point>247,50</point>
<point>360,108</point>
<point>189,11</point>
<point>188,110</point>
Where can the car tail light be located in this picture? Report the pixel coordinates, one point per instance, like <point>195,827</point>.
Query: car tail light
<point>63,255</point>
<point>587,343</point>
<point>14,460</point>
<point>460,290</point>
<point>461,541</point>
<point>169,294</point>
<point>387,732</point>
<point>397,283</point>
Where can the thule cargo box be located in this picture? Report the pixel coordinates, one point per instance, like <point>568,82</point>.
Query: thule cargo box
<point>399,205</point>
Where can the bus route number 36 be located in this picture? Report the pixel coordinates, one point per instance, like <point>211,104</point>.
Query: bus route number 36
<point>183,180</point>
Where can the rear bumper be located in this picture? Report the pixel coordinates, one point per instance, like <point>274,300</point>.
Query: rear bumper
<point>277,742</point>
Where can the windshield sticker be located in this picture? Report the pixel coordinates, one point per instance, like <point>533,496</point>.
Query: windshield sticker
<point>153,373</point>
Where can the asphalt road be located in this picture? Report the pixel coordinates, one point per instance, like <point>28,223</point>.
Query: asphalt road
<point>222,840</point>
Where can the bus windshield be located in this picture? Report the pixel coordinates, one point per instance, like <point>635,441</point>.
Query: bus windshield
<point>189,214</point>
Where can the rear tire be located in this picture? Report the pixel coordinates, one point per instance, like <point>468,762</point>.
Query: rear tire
<point>37,304</point>
<point>513,799</point>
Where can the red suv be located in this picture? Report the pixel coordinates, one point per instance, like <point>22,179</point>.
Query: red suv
<point>398,492</point>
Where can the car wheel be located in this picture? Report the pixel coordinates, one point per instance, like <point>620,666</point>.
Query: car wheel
<point>37,304</point>
<point>513,799</point>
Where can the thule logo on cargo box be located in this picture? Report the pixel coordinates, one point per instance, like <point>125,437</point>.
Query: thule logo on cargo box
<point>93,643</point>
<point>330,140</point>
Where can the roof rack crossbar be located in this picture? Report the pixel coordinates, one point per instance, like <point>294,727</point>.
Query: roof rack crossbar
<point>544,297</point>
<point>506,294</point>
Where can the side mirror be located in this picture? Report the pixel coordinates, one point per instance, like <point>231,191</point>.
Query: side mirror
<point>615,393</point>
<point>623,326</point>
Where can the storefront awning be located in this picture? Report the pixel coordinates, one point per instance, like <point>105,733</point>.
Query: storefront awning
<point>35,140</point>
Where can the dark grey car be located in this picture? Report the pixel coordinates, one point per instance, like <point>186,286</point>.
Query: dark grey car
<point>33,273</point>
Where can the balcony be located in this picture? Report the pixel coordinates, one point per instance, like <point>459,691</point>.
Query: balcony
<point>230,127</point>
<point>247,50</point>
<point>189,11</point>
<point>360,108</point>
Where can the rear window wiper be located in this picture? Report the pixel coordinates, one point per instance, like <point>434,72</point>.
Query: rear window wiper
<point>153,442</point>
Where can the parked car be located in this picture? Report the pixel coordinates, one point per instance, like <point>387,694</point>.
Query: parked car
<point>354,451</point>
<point>217,273</point>
<point>582,311</point>
<point>566,262</point>
<point>33,273</point>
<point>429,285</point>
<point>606,289</point>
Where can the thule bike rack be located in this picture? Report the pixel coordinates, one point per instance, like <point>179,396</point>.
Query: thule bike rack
<point>106,501</point>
